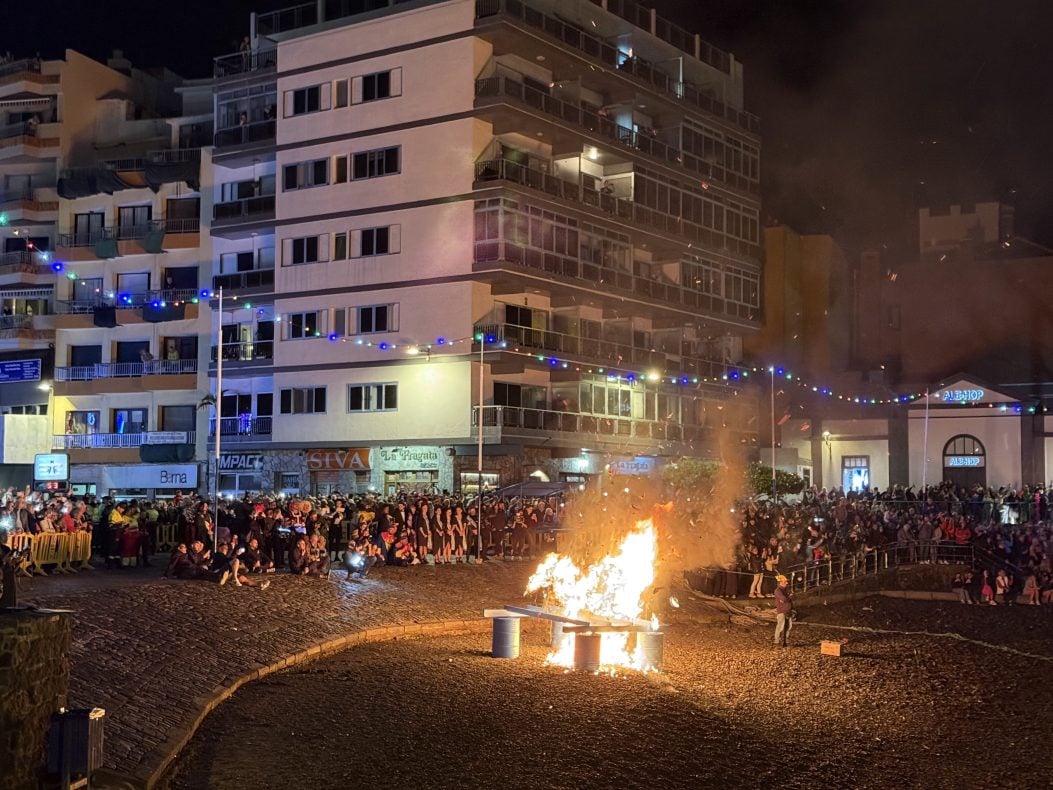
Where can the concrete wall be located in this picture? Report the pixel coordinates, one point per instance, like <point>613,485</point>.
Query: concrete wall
<point>22,436</point>
<point>998,431</point>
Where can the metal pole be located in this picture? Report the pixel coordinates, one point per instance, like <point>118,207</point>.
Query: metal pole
<point>219,407</point>
<point>479,493</point>
<point>925,449</point>
<point>774,488</point>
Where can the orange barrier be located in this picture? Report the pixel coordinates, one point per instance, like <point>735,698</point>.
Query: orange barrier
<point>67,551</point>
<point>17,543</point>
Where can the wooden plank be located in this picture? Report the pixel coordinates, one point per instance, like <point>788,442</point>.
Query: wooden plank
<point>490,613</point>
<point>541,614</point>
<point>611,628</point>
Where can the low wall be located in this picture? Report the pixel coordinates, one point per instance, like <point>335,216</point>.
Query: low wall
<point>34,683</point>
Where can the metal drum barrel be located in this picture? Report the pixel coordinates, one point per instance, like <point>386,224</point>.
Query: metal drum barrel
<point>651,645</point>
<point>506,637</point>
<point>587,652</point>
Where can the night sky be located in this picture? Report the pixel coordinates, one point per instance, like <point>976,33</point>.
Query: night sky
<point>869,109</point>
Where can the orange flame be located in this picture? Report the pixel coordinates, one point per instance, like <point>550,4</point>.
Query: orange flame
<point>612,588</point>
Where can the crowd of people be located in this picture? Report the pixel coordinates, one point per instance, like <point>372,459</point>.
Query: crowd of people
<point>255,535</point>
<point>1012,530</point>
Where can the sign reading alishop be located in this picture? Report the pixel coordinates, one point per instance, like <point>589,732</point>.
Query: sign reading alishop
<point>355,459</point>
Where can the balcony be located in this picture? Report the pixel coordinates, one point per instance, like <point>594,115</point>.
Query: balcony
<point>243,64</point>
<point>160,374</point>
<point>257,352</point>
<point>256,132</point>
<point>493,171</point>
<point>244,428</point>
<point>601,352</point>
<point>241,218</point>
<point>26,69</point>
<point>27,142</point>
<point>131,301</point>
<point>494,92</point>
<point>256,280</point>
<point>116,447</point>
<point>21,208</point>
<point>157,367</point>
<point>23,267</point>
<point>571,428</point>
<point>636,69</point>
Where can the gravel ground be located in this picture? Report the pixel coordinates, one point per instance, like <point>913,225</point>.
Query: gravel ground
<point>729,710</point>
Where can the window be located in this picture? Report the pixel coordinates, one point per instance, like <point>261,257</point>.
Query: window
<point>378,85</point>
<point>377,318</point>
<point>855,472</point>
<point>85,356</point>
<point>82,422</point>
<point>308,249</point>
<point>339,169</point>
<point>305,100</point>
<point>129,420</point>
<point>234,262</point>
<point>373,164</point>
<point>339,246</point>
<point>376,241</point>
<point>303,325</point>
<point>307,400</point>
<point>372,397</point>
<point>178,418</point>
<point>134,216</point>
<point>340,93</point>
<point>305,175</point>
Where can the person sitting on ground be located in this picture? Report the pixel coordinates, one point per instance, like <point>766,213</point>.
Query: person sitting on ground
<point>958,588</point>
<point>361,555</point>
<point>254,559</point>
<point>298,557</point>
<point>1031,590</point>
<point>318,557</point>
<point>194,564</point>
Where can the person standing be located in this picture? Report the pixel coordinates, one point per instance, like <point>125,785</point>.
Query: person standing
<point>783,611</point>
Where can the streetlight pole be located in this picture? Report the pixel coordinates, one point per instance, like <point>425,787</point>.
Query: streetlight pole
<point>479,493</point>
<point>219,403</point>
<point>774,487</point>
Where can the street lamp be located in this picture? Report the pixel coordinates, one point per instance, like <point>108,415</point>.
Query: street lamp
<point>774,487</point>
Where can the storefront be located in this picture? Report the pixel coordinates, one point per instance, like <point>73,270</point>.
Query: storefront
<point>138,481</point>
<point>240,473</point>
<point>345,471</point>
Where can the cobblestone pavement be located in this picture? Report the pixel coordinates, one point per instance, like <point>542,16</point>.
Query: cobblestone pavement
<point>154,653</point>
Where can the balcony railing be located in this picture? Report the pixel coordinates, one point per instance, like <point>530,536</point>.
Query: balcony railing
<point>259,207</point>
<point>244,63</point>
<point>21,262</point>
<point>593,275</point>
<point>603,351</point>
<point>497,419</point>
<point>620,207</point>
<point>609,55</point>
<point>257,278</point>
<point>15,321</point>
<point>647,142</point>
<point>128,301</point>
<point>120,370</point>
<point>244,427</point>
<point>112,441</point>
<point>256,132</point>
<point>246,351</point>
<point>31,65</point>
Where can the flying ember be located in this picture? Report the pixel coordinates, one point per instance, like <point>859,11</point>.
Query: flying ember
<point>611,589</point>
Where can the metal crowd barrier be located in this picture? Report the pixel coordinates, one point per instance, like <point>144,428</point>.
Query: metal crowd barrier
<point>68,552</point>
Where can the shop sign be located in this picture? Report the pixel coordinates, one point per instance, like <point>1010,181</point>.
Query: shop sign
<point>150,476</point>
<point>19,370</point>
<point>354,460</point>
<point>410,458</point>
<point>962,396</point>
<point>241,462</point>
<point>641,465</point>
<point>963,460</point>
<point>166,437</point>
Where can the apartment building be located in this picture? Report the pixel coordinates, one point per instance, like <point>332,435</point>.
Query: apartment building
<point>556,199</point>
<point>104,262</point>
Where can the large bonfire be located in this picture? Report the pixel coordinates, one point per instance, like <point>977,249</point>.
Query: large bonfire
<point>612,588</point>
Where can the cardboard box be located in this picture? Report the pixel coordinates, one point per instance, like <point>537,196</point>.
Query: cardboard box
<point>829,648</point>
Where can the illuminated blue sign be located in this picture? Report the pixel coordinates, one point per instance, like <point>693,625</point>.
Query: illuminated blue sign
<point>962,396</point>
<point>15,370</point>
<point>963,460</point>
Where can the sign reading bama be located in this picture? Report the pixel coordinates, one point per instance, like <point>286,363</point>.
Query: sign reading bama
<point>354,460</point>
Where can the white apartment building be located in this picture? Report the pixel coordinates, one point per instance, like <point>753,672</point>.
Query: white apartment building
<point>103,264</point>
<point>566,191</point>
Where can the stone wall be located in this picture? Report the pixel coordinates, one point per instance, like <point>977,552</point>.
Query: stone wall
<point>34,683</point>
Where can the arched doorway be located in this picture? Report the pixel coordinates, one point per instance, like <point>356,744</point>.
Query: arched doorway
<point>965,461</point>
